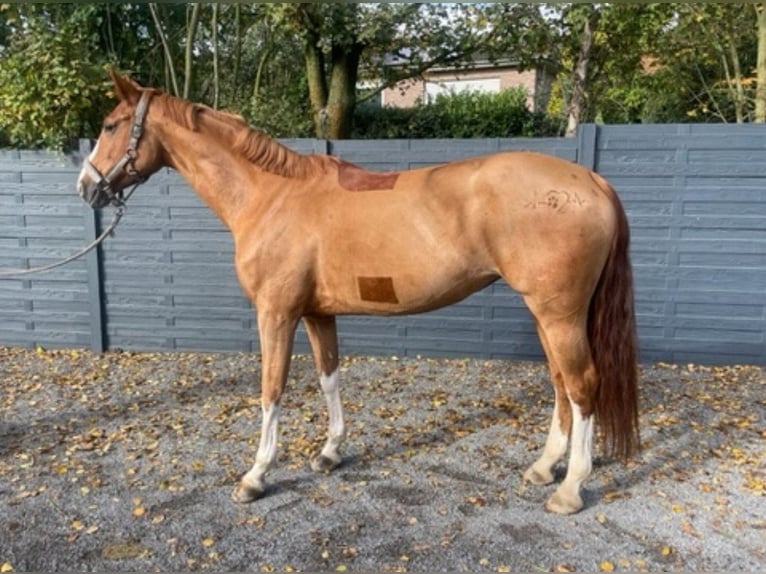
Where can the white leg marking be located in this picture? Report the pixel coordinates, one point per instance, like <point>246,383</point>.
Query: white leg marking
<point>567,497</point>
<point>555,448</point>
<point>267,448</point>
<point>579,457</point>
<point>337,430</point>
<point>582,445</point>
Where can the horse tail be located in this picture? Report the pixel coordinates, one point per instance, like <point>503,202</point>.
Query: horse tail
<point>612,339</point>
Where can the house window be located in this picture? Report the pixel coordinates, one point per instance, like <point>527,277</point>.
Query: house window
<point>484,85</point>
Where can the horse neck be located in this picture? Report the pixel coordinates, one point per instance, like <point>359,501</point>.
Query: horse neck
<point>211,168</point>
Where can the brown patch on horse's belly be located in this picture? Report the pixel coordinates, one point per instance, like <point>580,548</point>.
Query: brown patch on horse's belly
<point>377,289</point>
<point>353,178</point>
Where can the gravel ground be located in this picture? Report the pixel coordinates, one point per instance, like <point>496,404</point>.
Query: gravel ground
<point>125,462</point>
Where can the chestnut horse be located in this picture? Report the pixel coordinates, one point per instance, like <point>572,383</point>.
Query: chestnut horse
<point>317,237</point>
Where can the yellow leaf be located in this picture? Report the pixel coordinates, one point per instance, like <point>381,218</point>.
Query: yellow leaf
<point>340,568</point>
<point>606,566</point>
<point>139,511</point>
<point>77,525</point>
<point>600,518</point>
<point>503,568</point>
<point>6,567</point>
<point>207,542</point>
<point>667,550</point>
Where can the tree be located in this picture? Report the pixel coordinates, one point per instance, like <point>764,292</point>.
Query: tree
<point>706,57</point>
<point>597,52</point>
<point>53,88</point>
<point>347,42</point>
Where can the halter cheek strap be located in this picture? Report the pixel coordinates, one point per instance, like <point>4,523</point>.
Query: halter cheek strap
<point>104,183</point>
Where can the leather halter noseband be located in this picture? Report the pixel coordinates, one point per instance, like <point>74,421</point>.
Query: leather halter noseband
<point>104,183</point>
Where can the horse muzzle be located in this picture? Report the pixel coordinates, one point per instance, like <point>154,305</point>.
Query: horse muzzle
<point>97,196</point>
<point>96,189</point>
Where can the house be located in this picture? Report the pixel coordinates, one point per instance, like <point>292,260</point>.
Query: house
<point>480,76</point>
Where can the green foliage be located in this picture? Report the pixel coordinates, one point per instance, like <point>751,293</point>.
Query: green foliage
<point>648,63</point>
<point>461,115</point>
<point>281,115</point>
<point>52,93</point>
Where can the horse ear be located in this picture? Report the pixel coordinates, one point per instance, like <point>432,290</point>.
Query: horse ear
<point>126,89</point>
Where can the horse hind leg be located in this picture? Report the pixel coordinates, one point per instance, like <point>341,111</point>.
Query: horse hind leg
<point>541,472</point>
<point>323,337</point>
<point>564,335</point>
<point>568,343</point>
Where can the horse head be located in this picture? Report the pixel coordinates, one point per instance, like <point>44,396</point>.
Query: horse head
<point>126,153</point>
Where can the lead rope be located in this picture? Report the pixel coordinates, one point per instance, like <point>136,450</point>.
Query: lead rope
<point>118,213</point>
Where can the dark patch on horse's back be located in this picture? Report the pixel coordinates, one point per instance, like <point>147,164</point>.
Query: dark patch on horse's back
<point>377,289</point>
<point>354,178</point>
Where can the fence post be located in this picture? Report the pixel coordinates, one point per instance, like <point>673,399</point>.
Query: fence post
<point>92,225</point>
<point>587,139</point>
<point>321,147</point>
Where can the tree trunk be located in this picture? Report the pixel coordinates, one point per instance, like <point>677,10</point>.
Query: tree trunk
<point>237,48</point>
<point>169,67</point>
<point>315,74</point>
<point>740,101</point>
<point>191,33</point>
<point>216,76</point>
<point>760,94</point>
<point>341,98</point>
<point>580,77</point>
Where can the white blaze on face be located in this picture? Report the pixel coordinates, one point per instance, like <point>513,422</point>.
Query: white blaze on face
<point>84,172</point>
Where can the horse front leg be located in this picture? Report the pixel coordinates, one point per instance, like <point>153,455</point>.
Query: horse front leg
<point>276,331</point>
<point>323,337</point>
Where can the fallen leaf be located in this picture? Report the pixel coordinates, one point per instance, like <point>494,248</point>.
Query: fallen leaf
<point>123,551</point>
<point>208,541</point>
<point>6,567</point>
<point>606,566</point>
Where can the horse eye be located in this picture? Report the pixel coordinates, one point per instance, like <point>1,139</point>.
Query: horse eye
<point>109,127</point>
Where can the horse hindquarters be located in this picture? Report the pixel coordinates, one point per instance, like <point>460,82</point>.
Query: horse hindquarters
<point>591,349</point>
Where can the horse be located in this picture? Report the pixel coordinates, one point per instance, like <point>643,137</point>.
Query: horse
<point>316,237</point>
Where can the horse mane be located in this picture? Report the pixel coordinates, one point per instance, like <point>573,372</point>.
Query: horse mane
<point>253,145</point>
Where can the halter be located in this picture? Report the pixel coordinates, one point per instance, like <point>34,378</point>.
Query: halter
<point>104,183</point>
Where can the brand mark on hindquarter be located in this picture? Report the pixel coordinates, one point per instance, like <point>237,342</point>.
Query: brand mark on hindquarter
<point>555,200</point>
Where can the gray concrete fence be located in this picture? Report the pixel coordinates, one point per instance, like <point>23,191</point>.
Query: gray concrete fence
<point>695,197</point>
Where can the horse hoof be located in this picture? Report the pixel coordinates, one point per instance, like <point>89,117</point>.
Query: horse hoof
<point>324,464</point>
<point>561,504</point>
<point>246,494</point>
<point>537,478</point>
